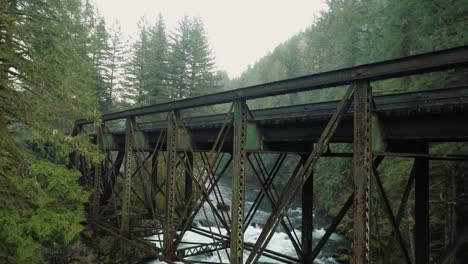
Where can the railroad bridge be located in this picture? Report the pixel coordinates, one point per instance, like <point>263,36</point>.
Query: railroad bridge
<point>171,166</point>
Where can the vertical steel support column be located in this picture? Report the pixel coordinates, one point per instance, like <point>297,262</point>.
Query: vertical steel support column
<point>307,217</point>
<point>129,170</point>
<point>154,179</point>
<point>188,176</point>
<point>238,181</point>
<point>362,171</point>
<point>97,179</point>
<point>450,215</point>
<point>171,166</point>
<point>421,191</point>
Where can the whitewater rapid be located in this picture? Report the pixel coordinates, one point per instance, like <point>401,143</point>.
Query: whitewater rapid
<point>280,241</point>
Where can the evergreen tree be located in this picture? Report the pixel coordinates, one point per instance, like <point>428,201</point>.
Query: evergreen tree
<point>45,84</point>
<point>192,71</point>
<point>116,61</point>
<point>101,57</point>
<point>158,69</point>
<point>135,88</point>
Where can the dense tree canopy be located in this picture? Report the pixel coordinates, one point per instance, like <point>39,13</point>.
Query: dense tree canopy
<point>60,61</point>
<point>353,32</point>
<point>45,84</point>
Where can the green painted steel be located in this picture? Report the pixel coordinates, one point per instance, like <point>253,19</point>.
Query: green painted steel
<point>184,140</point>
<point>238,181</point>
<point>254,137</point>
<point>378,134</point>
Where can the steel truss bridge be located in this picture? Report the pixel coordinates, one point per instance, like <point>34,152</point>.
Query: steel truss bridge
<point>179,161</point>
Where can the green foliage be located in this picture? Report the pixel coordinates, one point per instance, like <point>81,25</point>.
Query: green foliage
<point>191,63</point>
<point>46,83</point>
<point>164,67</point>
<point>353,32</point>
<point>44,218</point>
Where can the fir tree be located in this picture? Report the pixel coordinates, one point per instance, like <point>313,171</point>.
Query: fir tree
<point>116,61</point>
<point>157,87</point>
<point>192,64</point>
<point>136,70</point>
<point>45,84</point>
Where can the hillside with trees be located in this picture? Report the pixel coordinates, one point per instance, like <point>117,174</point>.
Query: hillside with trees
<point>354,32</point>
<point>60,62</point>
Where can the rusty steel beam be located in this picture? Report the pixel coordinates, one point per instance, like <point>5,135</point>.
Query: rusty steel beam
<point>268,182</point>
<point>400,214</point>
<point>129,170</point>
<point>154,179</point>
<point>307,217</point>
<point>238,181</point>
<point>422,231</point>
<point>362,170</point>
<point>450,227</point>
<point>188,177</point>
<point>248,246</point>
<point>336,221</point>
<point>296,182</point>
<point>96,204</point>
<point>271,195</point>
<point>423,63</point>
<point>114,171</point>
<point>388,209</point>
<point>191,215</point>
<point>171,174</point>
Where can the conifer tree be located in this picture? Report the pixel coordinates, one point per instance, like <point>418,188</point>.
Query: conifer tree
<point>157,87</point>
<point>117,58</point>
<point>101,57</point>
<point>45,84</point>
<point>192,65</point>
<point>136,70</point>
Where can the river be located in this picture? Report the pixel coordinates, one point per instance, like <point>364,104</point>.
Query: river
<point>280,241</point>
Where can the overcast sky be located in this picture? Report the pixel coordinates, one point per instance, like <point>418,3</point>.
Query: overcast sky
<point>240,31</point>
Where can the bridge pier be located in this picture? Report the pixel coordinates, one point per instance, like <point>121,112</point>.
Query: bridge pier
<point>422,231</point>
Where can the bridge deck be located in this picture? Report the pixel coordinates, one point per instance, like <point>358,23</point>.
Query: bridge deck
<point>434,115</point>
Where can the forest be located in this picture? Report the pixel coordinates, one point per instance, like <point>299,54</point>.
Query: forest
<point>60,61</point>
